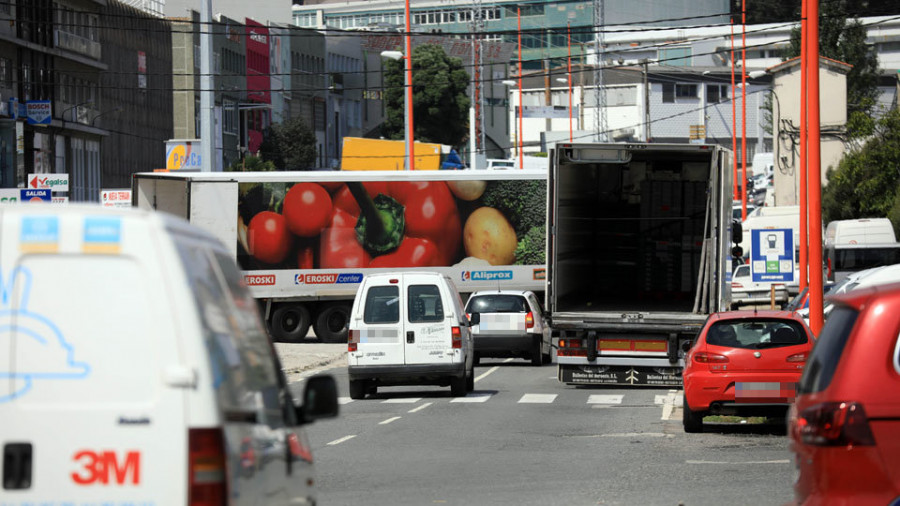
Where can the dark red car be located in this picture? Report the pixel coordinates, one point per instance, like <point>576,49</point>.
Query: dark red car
<point>845,425</point>
<point>744,363</point>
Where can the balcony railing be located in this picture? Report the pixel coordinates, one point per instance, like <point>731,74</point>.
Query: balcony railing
<point>76,43</point>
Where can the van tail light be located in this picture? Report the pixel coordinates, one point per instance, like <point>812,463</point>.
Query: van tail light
<point>456,336</point>
<point>709,358</point>
<point>352,340</point>
<point>206,473</point>
<point>571,348</point>
<point>797,357</point>
<point>834,424</point>
<point>529,320</point>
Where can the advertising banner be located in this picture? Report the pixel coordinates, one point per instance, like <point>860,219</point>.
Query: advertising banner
<point>772,255</point>
<point>115,198</point>
<point>183,155</point>
<point>52,182</point>
<point>39,112</point>
<point>26,195</point>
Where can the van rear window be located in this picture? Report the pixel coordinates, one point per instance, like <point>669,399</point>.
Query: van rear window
<point>382,305</point>
<point>425,304</point>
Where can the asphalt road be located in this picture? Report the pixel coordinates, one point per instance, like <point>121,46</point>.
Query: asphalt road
<point>524,438</point>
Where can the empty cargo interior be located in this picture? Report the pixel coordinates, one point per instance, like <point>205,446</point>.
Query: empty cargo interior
<point>629,236</point>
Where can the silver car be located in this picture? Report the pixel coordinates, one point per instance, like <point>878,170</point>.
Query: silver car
<point>509,323</point>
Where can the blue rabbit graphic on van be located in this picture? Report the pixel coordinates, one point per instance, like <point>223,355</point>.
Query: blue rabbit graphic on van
<point>33,347</point>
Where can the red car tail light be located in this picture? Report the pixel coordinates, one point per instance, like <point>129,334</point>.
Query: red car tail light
<point>206,474</point>
<point>571,348</point>
<point>352,340</point>
<point>456,335</point>
<point>709,358</point>
<point>529,320</point>
<point>834,424</point>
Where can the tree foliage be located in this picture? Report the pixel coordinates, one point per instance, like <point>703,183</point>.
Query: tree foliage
<point>289,146</point>
<point>251,163</point>
<point>440,97</point>
<point>865,183</point>
<point>774,11</point>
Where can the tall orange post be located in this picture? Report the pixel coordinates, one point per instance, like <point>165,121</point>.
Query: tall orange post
<point>803,268</point>
<point>734,193</point>
<point>744,110</point>
<point>521,132</point>
<point>410,132</point>
<point>814,168</point>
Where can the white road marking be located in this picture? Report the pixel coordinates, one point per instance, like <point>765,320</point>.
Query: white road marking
<point>750,462</point>
<point>485,373</point>
<point>341,440</point>
<point>479,397</point>
<point>389,420</point>
<point>669,403</point>
<point>605,399</point>
<point>402,400</point>
<point>344,400</point>
<point>637,434</point>
<point>537,398</point>
<point>420,408</point>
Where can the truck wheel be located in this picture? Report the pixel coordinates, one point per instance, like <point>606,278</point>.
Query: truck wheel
<point>358,389</point>
<point>331,323</point>
<point>537,356</point>
<point>692,420</point>
<point>290,323</point>
<point>458,386</point>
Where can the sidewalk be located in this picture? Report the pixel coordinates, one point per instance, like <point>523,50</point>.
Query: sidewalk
<point>299,360</point>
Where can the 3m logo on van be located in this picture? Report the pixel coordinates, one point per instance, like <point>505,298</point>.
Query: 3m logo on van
<point>328,279</point>
<point>257,280</point>
<point>100,467</point>
<point>486,275</point>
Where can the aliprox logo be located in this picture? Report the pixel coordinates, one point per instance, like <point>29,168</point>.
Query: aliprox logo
<point>486,275</point>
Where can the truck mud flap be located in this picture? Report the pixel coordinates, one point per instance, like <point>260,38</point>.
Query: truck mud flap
<point>620,375</point>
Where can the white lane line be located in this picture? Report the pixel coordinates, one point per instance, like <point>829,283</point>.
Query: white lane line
<point>420,408</point>
<point>402,400</point>
<point>389,420</point>
<point>605,399</point>
<point>344,400</point>
<point>750,462</point>
<point>637,434</point>
<point>479,397</point>
<point>669,403</point>
<point>341,440</point>
<point>485,373</point>
<point>537,398</point>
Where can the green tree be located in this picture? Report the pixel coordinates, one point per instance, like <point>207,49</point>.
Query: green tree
<point>251,163</point>
<point>440,98</point>
<point>290,145</point>
<point>844,40</point>
<point>865,183</point>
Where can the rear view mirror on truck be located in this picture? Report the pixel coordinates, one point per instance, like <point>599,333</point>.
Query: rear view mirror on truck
<point>737,232</point>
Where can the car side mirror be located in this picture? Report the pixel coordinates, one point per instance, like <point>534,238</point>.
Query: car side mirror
<point>474,319</point>
<point>319,399</point>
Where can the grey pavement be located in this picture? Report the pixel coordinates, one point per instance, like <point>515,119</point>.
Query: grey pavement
<point>300,360</point>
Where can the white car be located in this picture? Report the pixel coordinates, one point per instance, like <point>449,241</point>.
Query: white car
<point>509,323</point>
<point>745,291</point>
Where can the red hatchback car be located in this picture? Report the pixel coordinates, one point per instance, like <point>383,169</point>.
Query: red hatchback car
<point>744,363</point>
<point>845,425</point>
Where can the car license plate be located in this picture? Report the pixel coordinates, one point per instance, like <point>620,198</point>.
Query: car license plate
<point>773,390</point>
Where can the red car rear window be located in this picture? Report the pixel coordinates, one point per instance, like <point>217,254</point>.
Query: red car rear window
<point>756,333</point>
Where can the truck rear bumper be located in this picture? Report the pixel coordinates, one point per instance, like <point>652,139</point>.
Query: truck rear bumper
<point>596,374</point>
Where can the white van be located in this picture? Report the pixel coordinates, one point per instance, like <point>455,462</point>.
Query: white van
<point>860,231</point>
<point>409,328</point>
<point>135,368</point>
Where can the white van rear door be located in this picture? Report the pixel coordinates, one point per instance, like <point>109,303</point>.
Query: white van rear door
<point>381,326</point>
<point>84,396</point>
<point>427,332</point>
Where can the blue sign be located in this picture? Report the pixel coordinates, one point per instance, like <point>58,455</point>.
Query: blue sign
<point>772,255</point>
<point>34,195</point>
<point>39,112</point>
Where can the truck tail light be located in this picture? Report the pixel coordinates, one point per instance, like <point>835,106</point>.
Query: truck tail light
<point>529,320</point>
<point>352,340</point>
<point>709,358</point>
<point>834,424</point>
<point>206,472</point>
<point>571,348</point>
<point>456,336</point>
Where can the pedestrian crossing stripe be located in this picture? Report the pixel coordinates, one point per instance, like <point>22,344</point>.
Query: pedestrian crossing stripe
<point>605,399</point>
<point>537,399</point>
<point>670,400</point>
<point>476,397</point>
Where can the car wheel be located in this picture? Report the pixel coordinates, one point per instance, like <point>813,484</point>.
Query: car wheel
<point>537,356</point>
<point>331,323</point>
<point>358,389</point>
<point>458,386</point>
<point>290,323</point>
<point>470,380</point>
<point>692,420</point>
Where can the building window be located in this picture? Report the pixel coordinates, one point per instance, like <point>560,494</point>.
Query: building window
<point>716,93</point>
<point>686,90</point>
<point>668,93</point>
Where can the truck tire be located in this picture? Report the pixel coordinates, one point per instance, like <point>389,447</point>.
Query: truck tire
<point>290,323</point>
<point>358,389</point>
<point>458,386</point>
<point>692,420</point>
<point>331,323</point>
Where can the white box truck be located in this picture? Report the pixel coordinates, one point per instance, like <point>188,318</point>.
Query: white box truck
<point>304,240</point>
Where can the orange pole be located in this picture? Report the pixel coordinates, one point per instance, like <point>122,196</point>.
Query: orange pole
<point>744,110</point>
<point>804,211</point>
<point>521,133</point>
<point>814,167</point>
<point>569,72</point>
<point>734,193</point>
<point>409,95</point>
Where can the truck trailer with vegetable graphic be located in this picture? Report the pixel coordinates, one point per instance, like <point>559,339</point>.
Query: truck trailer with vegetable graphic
<point>304,240</point>
<point>638,257</point>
